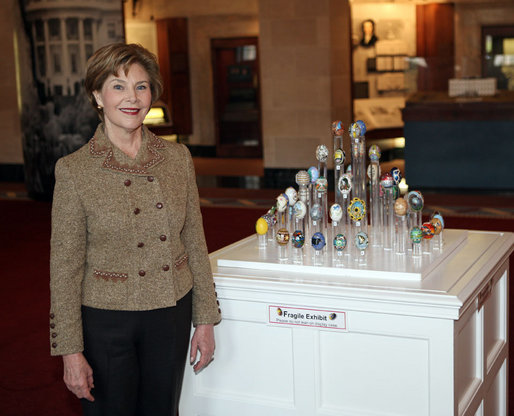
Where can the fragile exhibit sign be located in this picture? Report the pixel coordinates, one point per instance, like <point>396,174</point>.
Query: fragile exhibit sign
<point>319,318</point>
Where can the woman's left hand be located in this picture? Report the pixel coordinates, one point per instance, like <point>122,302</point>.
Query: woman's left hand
<point>203,341</point>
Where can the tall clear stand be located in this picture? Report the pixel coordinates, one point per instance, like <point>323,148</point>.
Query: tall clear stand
<point>345,187</point>
<point>388,218</point>
<point>339,158</point>
<point>375,218</point>
<point>358,144</point>
<point>401,234</point>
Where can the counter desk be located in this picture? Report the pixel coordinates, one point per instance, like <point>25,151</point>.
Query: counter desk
<point>389,338</point>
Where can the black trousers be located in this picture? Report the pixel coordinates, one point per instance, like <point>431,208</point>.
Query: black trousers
<point>138,359</point>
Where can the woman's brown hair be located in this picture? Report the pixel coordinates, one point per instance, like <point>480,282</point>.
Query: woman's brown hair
<point>112,58</point>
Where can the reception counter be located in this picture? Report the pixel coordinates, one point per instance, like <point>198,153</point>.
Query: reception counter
<point>459,143</point>
<point>310,341</point>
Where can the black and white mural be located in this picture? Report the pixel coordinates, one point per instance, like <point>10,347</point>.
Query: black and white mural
<point>60,35</point>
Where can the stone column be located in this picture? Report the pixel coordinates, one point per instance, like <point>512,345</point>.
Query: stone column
<point>305,60</point>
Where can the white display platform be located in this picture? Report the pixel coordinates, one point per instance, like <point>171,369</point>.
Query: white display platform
<point>379,263</point>
<point>302,343</point>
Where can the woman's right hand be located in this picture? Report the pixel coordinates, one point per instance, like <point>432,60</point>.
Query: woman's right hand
<point>78,376</point>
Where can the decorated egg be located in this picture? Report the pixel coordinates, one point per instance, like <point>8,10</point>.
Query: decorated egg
<point>316,212</point>
<point>282,202</point>
<point>438,222</point>
<point>336,212</point>
<point>337,128</point>
<point>415,200</point>
<point>361,240</point>
<point>349,169</point>
<point>386,180</point>
<point>355,130</point>
<point>303,178</point>
<point>362,126</point>
<point>261,226</point>
<point>373,171</point>
<point>345,184</point>
<point>292,195</point>
<point>428,230</point>
<point>298,239</point>
<point>339,242</point>
<point>357,209</point>
<point>322,153</point>
<point>313,173</point>
<point>318,241</point>
<point>397,175</point>
<point>400,207</point>
<point>300,209</point>
<point>374,153</point>
<point>339,156</point>
<point>270,219</point>
<point>282,236</point>
<point>321,184</point>
<point>416,235</point>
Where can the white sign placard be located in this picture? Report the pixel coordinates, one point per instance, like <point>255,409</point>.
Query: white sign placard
<point>319,318</point>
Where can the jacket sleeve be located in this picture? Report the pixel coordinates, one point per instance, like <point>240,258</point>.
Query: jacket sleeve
<point>67,262</point>
<point>205,305</point>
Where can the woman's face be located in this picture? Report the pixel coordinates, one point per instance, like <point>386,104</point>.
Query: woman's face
<point>125,99</point>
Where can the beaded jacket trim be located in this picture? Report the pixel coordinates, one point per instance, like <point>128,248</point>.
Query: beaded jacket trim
<point>117,277</point>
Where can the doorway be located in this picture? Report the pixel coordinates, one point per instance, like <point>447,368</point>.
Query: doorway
<point>237,106</point>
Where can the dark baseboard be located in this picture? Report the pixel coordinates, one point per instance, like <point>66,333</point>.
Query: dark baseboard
<point>12,172</point>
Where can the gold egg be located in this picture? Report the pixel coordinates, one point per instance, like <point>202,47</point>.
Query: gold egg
<point>261,226</point>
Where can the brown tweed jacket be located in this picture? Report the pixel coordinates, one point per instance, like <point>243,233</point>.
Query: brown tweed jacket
<point>127,234</point>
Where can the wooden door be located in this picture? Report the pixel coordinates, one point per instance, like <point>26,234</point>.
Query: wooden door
<point>237,104</point>
<point>435,43</point>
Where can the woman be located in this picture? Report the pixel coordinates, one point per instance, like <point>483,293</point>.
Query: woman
<point>129,263</point>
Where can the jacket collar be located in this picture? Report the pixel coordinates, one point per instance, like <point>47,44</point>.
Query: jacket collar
<point>115,159</point>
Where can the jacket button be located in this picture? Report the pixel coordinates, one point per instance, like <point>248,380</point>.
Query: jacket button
<point>142,273</point>
<point>54,334</point>
<point>52,325</point>
<point>150,179</point>
<point>159,205</point>
<point>127,182</point>
<point>140,244</point>
<point>162,237</point>
<point>165,267</point>
<point>218,302</point>
<point>54,345</point>
<point>52,316</point>
<point>137,211</point>
<point>219,310</point>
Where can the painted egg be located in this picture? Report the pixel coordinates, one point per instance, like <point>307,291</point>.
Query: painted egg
<point>270,219</point>
<point>345,184</point>
<point>316,212</point>
<point>362,126</point>
<point>415,200</point>
<point>437,219</point>
<point>298,239</point>
<point>336,212</point>
<point>355,130</point>
<point>300,209</point>
<point>282,236</point>
<point>397,175</point>
<point>318,241</point>
<point>386,180</point>
<point>292,195</point>
<point>428,230</point>
<point>282,202</point>
<point>416,235</point>
<point>340,242</point>
<point>303,178</point>
<point>357,209</point>
<point>321,184</point>
<point>322,153</point>
<point>313,173</point>
<point>261,226</point>
<point>374,153</point>
<point>361,240</point>
<point>400,206</point>
<point>337,128</point>
<point>339,156</point>
<point>373,171</point>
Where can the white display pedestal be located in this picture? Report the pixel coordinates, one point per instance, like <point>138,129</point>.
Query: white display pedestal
<point>308,342</point>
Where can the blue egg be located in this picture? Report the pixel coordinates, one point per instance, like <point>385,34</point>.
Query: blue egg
<point>318,241</point>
